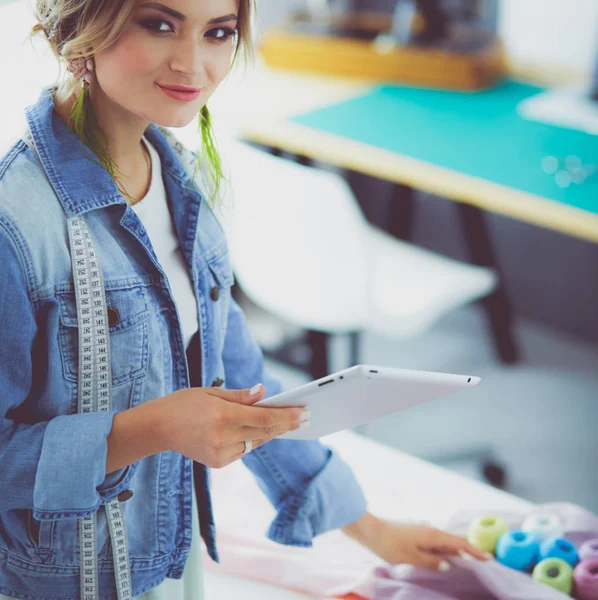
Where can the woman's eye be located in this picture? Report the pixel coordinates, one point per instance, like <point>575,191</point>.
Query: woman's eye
<point>154,25</point>
<point>221,34</point>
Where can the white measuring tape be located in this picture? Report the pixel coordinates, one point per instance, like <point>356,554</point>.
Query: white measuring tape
<point>95,394</point>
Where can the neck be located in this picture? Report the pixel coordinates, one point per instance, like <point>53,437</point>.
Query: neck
<point>122,132</point>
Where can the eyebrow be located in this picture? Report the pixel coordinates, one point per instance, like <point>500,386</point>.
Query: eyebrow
<point>181,17</point>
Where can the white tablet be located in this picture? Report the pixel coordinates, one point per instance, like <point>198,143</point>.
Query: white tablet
<point>362,393</point>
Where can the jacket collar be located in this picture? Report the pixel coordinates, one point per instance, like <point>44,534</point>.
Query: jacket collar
<point>66,160</point>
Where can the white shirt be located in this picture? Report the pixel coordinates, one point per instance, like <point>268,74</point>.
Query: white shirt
<point>153,212</point>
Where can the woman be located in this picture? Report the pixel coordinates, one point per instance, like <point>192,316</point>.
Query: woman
<point>140,449</point>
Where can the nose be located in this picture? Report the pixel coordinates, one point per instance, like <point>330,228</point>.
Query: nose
<point>190,59</point>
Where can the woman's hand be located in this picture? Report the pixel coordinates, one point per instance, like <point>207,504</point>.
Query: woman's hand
<point>210,425</point>
<point>417,545</point>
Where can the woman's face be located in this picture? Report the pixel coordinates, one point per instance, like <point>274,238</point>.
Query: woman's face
<point>169,43</point>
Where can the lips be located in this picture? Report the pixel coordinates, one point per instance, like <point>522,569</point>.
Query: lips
<point>179,92</point>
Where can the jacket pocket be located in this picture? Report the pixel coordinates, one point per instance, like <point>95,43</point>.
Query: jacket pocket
<point>25,538</point>
<point>41,533</point>
<point>128,314</point>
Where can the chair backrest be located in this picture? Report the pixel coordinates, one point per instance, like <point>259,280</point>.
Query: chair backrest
<point>296,236</point>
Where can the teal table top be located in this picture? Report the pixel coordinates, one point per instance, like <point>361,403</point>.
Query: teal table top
<point>478,134</point>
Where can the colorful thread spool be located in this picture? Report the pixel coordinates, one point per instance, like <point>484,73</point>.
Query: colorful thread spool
<point>559,547</point>
<point>556,573</point>
<point>543,526</point>
<point>484,532</point>
<point>589,549</point>
<point>585,577</point>
<point>517,549</point>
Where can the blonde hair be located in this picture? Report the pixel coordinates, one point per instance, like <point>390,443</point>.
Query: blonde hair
<point>80,28</point>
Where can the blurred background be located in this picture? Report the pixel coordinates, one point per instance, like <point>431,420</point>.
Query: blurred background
<point>477,211</point>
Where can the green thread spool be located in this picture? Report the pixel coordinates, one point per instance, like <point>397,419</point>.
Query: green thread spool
<point>556,573</point>
<point>484,532</point>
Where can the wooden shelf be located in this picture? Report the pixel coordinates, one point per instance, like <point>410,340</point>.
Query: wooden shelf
<point>344,45</point>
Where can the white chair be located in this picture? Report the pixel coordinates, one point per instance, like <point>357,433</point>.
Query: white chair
<point>302,250</point>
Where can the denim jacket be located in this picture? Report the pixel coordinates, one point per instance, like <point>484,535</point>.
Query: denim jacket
<point>52,459</point>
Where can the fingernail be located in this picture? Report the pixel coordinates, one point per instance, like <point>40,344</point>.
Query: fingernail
<point>305,416</point>
<point>444,566</point>
<point>304,425</point>
<point>255,390</point>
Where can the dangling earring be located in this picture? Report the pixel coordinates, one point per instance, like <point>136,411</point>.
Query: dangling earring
<point>81,68</point>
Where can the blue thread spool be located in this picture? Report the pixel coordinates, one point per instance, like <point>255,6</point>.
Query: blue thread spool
<point>558,547</point>
<point>517,549</point>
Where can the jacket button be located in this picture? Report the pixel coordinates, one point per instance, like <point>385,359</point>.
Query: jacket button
<point>215,293</point>
<point>217,382</point>
<point>113,317</point>
<point>124,496</point>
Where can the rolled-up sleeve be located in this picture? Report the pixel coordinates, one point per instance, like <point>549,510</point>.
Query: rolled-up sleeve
<point>309,484</point>
<point>83,458</point>
<point>56,468</point>
<point>312,488</point>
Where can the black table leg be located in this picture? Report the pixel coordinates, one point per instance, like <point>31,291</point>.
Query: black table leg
<point>496,304</point>
<point>401,211</point>
<point>304,160</point>
<point>318,343</point>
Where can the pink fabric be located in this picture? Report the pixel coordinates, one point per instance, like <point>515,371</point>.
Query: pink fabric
<point>337,566</point>
<point>334,569</point>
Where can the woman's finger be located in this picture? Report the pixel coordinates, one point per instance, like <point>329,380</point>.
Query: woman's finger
<point>473,551</point>
<point>429,561</point>
<point>266,433</point>
<point>237,451</point>
<point>248,433</point>
<point>266,418</point>
<point>448,543</point>
<point>245,397</point>
<point>241,447</point>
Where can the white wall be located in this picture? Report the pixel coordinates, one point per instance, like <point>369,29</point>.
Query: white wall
<point>558,33</point>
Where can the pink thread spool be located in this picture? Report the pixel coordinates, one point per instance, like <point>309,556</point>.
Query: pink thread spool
<point>585,576</point>
<point>589,549</point>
